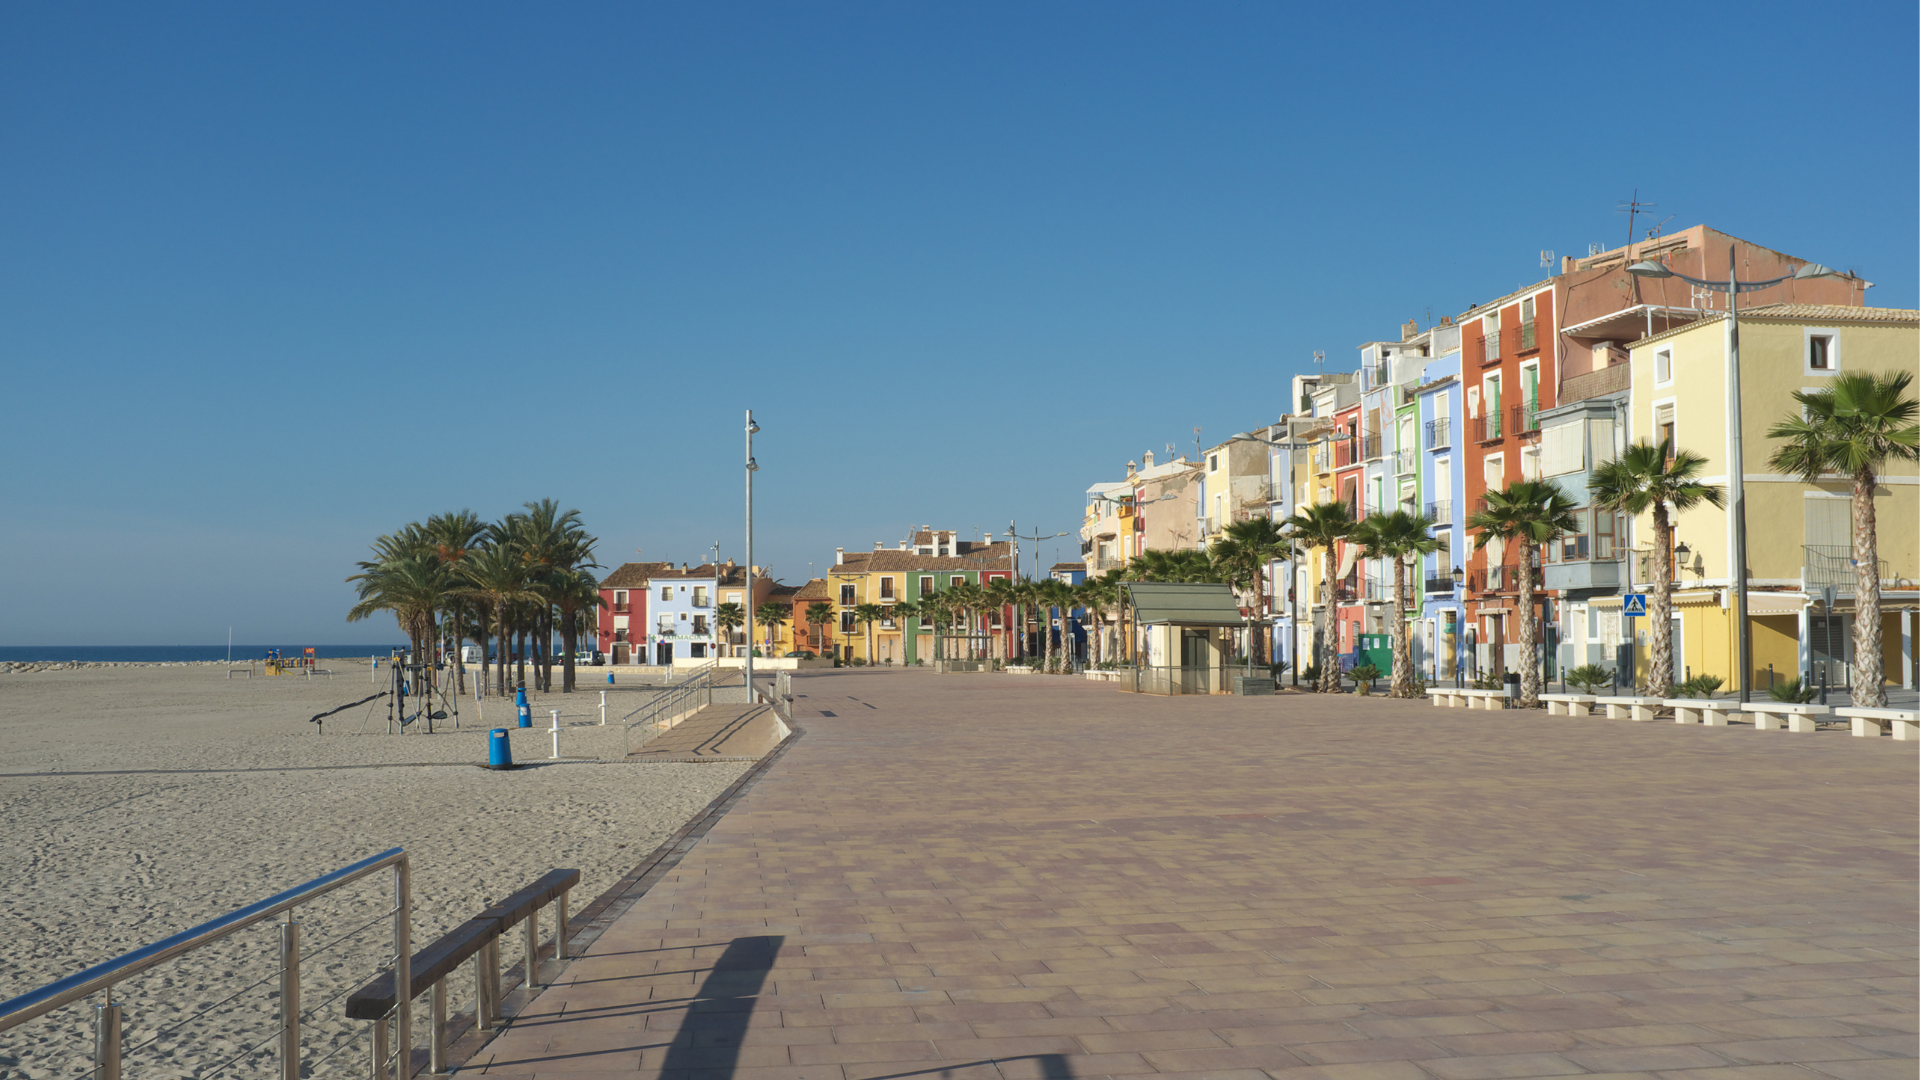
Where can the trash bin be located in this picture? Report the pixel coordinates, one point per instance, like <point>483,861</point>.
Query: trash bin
<point>520,703</point>
<point>609,678</point>
<point>499,749</point>
<point>1513,686</point>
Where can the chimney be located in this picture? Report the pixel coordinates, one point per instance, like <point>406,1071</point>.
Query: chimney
<point>903,546</point>
<point>839,556</point>
<point>1147,459</point>
<point>879,546</point>
<point>1132,468</point>
<point>1446,320</point>
<point>1408,331</point>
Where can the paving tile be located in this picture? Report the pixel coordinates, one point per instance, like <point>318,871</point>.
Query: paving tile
<point>998,879</point>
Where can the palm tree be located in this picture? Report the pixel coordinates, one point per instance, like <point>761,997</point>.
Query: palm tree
<point>1853,427</point>
<point>819,614</point>
<point>1661,480</point>
<point>1007,594</point>
<point>771,616</point>
<point>1323,525</point>
<point>904,612</point>
<point>495,577</point>
<point>577,594</point>
<point>1398,536</point>
<point>452,536</point>
<point>727,618</point>
<point>1529,513</point>
<point>412,585</point>
<point>1098,595</point>
<point>965,600</point>
<point>1243,555</point>
<point>1186,564</point>
<point>552,542</point>
<point>869,614</point>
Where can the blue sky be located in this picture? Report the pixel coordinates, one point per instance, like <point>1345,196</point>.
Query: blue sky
<point>274,280</point>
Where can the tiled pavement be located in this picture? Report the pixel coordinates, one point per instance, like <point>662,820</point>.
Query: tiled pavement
<point>985,878</point>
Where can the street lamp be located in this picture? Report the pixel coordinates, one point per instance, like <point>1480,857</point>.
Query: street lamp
<point>1459,576</point>
<point>1736,457</point>
<point>752,467</point>
<point>1293,616</point>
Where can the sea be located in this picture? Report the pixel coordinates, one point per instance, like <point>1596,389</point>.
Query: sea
<point>155,654</point>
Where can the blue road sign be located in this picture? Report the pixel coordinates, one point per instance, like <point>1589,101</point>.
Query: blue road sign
<point>1634,603</point>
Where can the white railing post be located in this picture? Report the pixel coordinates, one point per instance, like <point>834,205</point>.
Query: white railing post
<point>603,708</point>
<point>289,999</point>
<point>402,969</point>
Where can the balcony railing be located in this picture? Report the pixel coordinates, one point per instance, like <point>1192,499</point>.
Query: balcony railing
<point>1487,428</point>
<point>1439,433</point>
<point>1379,375</point>
<point>1379,592</point>
<point>1403,461</point>
<point>1370,447</point>
<point>1526,335</point>
<point>1443,585</point>
<point>1440,510</point>
<point>1490,347</point>
<point>1344,451</point>
<point>620,609</point>
<point>1526,418</point>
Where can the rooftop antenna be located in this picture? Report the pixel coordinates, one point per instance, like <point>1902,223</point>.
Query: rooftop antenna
<point>1196,444</point>
<point>1319,365</point>
<point>1654,232</point>
<point>1546,258</point>
<point>1632,208</point>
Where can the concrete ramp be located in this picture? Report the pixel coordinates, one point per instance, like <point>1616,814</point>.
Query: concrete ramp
<point>718,733</point>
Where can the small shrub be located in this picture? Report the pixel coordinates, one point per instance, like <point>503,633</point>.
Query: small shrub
<point>1310,674</point>
<point>1363,676</point>
<point>1590,677</point>
<point>1489,681</point>
<point>1791,691</point>
<point>1699,686</point>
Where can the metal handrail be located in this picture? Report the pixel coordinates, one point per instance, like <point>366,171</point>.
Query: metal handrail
<point>668,701</point>
<point>105,976</point>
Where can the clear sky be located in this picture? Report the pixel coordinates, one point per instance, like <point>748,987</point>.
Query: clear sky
<point>277,279</point>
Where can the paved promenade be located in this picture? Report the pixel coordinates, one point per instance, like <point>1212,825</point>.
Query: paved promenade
<point>985,877</point>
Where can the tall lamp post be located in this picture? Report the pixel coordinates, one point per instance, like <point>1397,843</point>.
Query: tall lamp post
<point>752,467</point>
<point>1736,459</point>
<point>1292,592</point>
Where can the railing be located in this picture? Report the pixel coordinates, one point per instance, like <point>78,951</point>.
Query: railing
<point>1526,418</point>
<point>477,939</point>
<point>1379,375</point>
<point>1370,447</point>
<point>1439,433</point>
<point>1440,585</point>
<point>1526,335</point>
<point>621,609</point>
<point>1344,452</point>
<point>672,705</point>
<point>1403,461</point>
<point>1169,680</point>
<point>1832,564</point>
<point>1379,592</point>
<point>108,1051</point>
<point>1440,510</point>
<point>1487,427</point>
<point>1489,347</point>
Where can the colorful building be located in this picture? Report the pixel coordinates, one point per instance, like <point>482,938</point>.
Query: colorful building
<point>622,625</point>
<point>932,561</point>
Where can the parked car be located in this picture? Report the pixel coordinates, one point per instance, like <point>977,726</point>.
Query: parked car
<point>799,654</point>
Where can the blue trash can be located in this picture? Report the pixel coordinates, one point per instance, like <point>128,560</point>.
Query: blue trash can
<point>499,749</point>
<point>609,678</point>
<point>526,711</point>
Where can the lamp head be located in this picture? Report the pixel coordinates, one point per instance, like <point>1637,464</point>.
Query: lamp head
<point>1649,269</point>
<point>1815,270</point>
<point>752,465</point>
<point>1459,575</point>
<point>1682,551</point>
<point>753,428</point>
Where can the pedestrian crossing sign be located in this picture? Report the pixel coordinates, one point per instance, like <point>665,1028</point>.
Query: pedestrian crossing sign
<point>1634,603</point>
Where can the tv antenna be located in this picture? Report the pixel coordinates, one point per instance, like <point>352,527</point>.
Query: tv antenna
<point>1546,258</point>
<point>1654,232</point>
<point>1632,207</point>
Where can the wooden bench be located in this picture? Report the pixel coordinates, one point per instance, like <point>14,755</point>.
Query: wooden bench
<point>1702,711</point>
<point>1630,708</point>
<point>1569,704</point>
<point>1867,723</point>
<point>1773,715</point>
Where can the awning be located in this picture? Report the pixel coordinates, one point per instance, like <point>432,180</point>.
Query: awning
<point>1184,604</point>
<point>1347,559</point>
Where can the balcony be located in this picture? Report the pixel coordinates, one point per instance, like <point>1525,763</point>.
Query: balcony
<point>1101,563</point>
<point>1440,510</point>
<point>1403,461</point>
<point>1370,447</point>
<point>1439,433</point>
<point>1344,453</point>
<point>1379,375</point>
<point>1584,574</point>
<point>1442,586</point>
<point>1490,348</point>
<point>1832,564</point>
<point>1526,418</point>
<point>1526,336</point>
<point>1487,428</point>
<point>1379,592</point>
<point>619,609</point>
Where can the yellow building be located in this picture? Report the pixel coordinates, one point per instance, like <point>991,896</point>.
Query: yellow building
<point>934,561</point>
<point>1799,535</point>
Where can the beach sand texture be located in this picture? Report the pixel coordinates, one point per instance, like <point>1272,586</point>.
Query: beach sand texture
<point>204,794</point>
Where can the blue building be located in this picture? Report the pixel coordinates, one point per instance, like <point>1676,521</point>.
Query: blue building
<point>1073,573</point>
<point>681,603</point>
<point>1444,635</point>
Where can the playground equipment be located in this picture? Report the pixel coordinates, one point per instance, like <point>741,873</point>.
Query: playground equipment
<point>280,664</point>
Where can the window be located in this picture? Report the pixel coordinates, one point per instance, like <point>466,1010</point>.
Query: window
<point>1575,546</point>
<point>846,596</point>
<point>1213,463</point>
<point>1663,426</point>
<point>926,585</point>
<point>1662,366</point>
<point>1563,448</point>
<point>1530,462</point>
<point>1823,352</point>
<point>699,624</point>
<point>886,588</point>
<point>666,592</point>
<point>886,621</point>
<point>1605,529</point>
<point>619,599</point>
<point>846,622</point>
<point>664,624</point>
<point>699,596</point>
<point>1526,310</point>
<point>1494,472</point>
<point>733,598</point>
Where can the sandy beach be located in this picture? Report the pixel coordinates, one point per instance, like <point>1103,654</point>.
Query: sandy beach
<point>136,801</point>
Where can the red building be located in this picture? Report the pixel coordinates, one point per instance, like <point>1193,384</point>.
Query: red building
<point>1349,468</point>
<point>623,615</point>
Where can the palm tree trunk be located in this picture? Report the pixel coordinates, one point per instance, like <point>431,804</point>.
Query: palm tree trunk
<point>504,645</point>
<point>1660,612</point>
<point>1869,679</point>
<point>481,640</point>
<point>521,634</point>
<point>1402,656</point>
<point>1322,654</point>
<point>1529,632</point>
